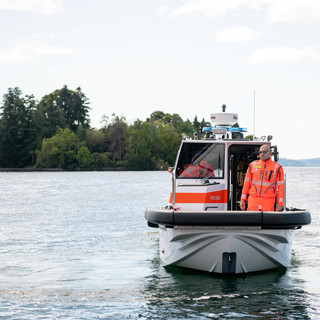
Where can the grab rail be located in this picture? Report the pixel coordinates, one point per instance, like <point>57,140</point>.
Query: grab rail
<point>174,189</point>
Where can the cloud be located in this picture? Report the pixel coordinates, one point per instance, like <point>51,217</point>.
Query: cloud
<point>276,10</point>
<point>293,11</point>
<point>238,34</point>
<point>164,10</point>
<point>208,8</point>
<point>48,7</point>
<point>55,35</point>
<point>284,55</point>
<point>53,51</point>
<point>30,49</point>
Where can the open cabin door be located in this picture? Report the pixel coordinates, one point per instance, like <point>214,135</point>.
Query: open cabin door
<point>240,156</point>
<point>275,153</point>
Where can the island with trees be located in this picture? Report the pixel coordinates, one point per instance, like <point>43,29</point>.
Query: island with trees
<point>55,133</point>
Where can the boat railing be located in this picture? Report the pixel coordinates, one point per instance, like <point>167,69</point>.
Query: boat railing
<point>285,192</point>
<point>174,189</point>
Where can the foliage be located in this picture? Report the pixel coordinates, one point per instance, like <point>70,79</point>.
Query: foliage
<point>56,133</point>
<point>117,134</point>
<point>139,150</point>
<point>62,108</point>
<point>96,140</point>
<point>75,106</point>
<point>99,161</point>
<point>250,137</point>
<point>60,151</point>
<point>17,129</point>
<point>84,157</point>
<point>153,144</point>
<point>167,141</point>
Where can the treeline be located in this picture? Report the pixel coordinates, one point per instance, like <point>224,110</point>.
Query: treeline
<point>55,132</point>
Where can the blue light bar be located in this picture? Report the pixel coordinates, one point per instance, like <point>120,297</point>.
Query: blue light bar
<point>231,129</point>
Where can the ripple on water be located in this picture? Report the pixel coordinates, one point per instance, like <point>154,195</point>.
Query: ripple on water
<point>76,246</point>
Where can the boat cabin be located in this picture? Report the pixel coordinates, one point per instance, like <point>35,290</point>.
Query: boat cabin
<point>209,173</point>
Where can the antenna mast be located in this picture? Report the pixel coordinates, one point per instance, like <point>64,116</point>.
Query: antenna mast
<point>254,115</point>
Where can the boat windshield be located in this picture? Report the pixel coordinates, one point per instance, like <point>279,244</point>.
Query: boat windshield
<point>201,160</point>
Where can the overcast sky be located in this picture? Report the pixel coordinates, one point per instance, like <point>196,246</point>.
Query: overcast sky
<point>132,57</point>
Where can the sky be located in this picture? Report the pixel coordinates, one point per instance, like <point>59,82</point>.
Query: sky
<point>261,58</point>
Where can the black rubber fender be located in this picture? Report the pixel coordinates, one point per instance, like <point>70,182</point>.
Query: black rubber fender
<point>266,220</point>
<point>217,218</point>
<point>156,216</point>
<point>285,219</point>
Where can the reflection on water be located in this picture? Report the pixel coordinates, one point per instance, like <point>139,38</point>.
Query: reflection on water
<point>178,293</point>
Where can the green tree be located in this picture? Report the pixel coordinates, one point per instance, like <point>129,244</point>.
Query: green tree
<point>62,108</point>
<point>185,127</point>
<point>75,105</point>
<point>100,160</point>
<point>176,121</point>
<point>167,144</point>
<point>153,144</point>
<point>84,157</point>
<point>249,137</point>
<point>95,140</point>
<point>196,124</point>
<point>17,129</point>
<point>138,152</point>
<point>204,124</point>
<point>117,135</point>
<point>49,116</point>
<point>165,118</point>
<point>60,151</point>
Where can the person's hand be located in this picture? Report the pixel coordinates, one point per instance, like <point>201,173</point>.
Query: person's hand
<point>242,205</point>
<point>170,170</point>
<point>279,207</point>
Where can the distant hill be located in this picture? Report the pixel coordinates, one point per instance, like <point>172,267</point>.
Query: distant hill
<point>315,162</point>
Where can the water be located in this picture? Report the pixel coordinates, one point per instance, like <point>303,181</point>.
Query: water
<point>75,245</point>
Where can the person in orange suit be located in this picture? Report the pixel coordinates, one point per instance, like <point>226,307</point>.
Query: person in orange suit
<point>263,184</point>
<point>198,168</point>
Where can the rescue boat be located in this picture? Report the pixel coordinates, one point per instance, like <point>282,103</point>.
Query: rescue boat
<point>203,227</point>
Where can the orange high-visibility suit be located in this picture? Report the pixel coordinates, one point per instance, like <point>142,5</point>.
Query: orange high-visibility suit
<point>264,182</point>
<point>199,170</point>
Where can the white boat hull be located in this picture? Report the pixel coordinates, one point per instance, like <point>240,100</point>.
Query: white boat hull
<point>229,250</point>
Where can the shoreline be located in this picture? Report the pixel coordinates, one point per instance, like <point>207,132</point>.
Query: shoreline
<point>59,169</point>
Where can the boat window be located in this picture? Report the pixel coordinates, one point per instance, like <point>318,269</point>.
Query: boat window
<point>201,160</point>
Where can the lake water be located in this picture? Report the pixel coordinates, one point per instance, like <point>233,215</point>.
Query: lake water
<point>75,245</point>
